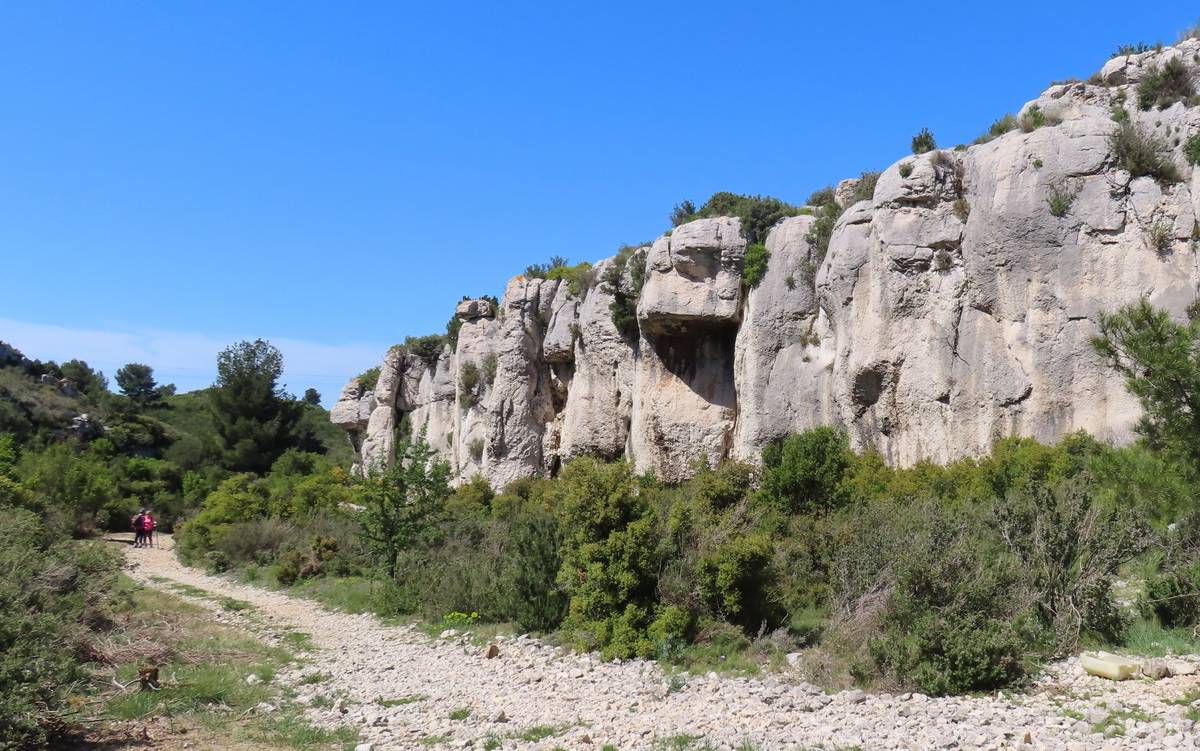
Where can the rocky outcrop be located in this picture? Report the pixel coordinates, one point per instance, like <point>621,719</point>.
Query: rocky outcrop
<point>952,307</point>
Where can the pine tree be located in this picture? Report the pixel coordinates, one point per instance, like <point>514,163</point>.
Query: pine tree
<point>254,418</point>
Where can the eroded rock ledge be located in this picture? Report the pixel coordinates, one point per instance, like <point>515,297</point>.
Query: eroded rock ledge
<point>953,307</point>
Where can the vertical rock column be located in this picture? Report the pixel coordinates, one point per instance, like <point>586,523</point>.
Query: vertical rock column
<point>684,403</point>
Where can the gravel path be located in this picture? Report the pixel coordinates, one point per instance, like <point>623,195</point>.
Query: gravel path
<point>537,697</point>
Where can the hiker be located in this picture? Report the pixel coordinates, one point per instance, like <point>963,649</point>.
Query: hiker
<point>148,527</point>
<point>138,534</point>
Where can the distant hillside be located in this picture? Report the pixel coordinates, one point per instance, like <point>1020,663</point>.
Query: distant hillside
<point>189,416</point>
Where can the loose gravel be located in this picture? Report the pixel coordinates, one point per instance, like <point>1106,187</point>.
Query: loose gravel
<point>405,690</point>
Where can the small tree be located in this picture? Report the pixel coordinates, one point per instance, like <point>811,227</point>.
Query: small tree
<point>136,381</point>
<point>312,396</point>
<point>403,501</point>
<point>1160,361</point>
<point>683,212</point>
<point>255,420</point>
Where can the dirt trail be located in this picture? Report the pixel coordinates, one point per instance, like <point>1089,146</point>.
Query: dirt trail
<point>535,696</point>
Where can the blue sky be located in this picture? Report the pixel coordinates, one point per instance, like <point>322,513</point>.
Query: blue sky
<point>177,176</point>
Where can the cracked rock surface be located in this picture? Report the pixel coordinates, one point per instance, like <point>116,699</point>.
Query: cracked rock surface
<point>954,306</point>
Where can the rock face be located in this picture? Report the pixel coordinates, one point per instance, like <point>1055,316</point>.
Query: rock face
<point>952,308</point>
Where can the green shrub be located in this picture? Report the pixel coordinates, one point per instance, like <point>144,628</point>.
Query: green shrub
<point>923,142</point>
<point>1173,596</point>
<point>1070,547</point>
<point>623,308</point>
<point>543,270</point>
<point>258,542</point>
<point>53,597</point>
<point>1033,118</point>
<point>758,214</point>
<point>578,277</point>
<point>905,169</point>
<point>1191,149</point>
<point>368,378</point>
<point>734,581</point>
<point>821,232</point>
<point>609,556</point>
<point>426,347</point>
<point>1142,154</point>
<point>1161,236</point>
<point>1132,49</point>
<point>1062,195</point>
<point>864,187</point>
<point>683,212</point>
<point>469,378</point>
<point>754,267</point>
<point>804,473</point>
<point>998,128</point>
<point>1162,87</point>
<point>487,368</point>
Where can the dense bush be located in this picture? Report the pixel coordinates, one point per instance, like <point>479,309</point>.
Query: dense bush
<point>827,213</point>
<point>427,347</point>
<point>864,187</point>
<point>578,277</point>
<point>1142,154</point>
<point>1191,149</point>
<point>956,618</point>
<point>623,308</point>
<point>1162,87</point>
<point>53,595</point>
<point>754,266</point>
<point>469,378</point>
<point>758,214</point>
<point>805,473</point>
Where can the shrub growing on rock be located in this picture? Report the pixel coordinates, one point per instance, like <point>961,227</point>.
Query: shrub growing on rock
<point>1162,87</point>
<point>623,308</point>
<point>1142,154</point>
<point>368,378</point>
<point>758,214</point>
<point>1191,149</point>
<point>754,266</point>
<point>923,142</point>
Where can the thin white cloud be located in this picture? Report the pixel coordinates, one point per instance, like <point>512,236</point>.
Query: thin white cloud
<point>188,359</point>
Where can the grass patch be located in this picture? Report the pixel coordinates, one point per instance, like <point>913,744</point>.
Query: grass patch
<point>539,732</point>
<point>299,640</point>
<point>461,713</point>
<point>352,594</point>
<point>187,589</point>
<point>401,701</point>
<point>1145,638</point>
<point>235,605</point>
<point>682,742</point>
<point>1114,724</point>
<point>435,740</point>
<point>314,678</point>
<point>203,667</point>
<point>292,730</point>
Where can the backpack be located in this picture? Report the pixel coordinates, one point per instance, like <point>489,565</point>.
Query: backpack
<point>148,523</point>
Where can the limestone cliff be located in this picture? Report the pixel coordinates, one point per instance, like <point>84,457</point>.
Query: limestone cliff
<point>954,306</point>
